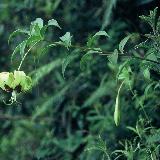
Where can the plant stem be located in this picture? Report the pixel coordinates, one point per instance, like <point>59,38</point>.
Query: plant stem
<point>20,65</point>
<point>104,53</point>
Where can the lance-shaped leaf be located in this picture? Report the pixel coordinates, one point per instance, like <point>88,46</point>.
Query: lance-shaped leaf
<point>67,61</point>
<point>16,32</point>
<point>93,38</point>
<point>19,48</point>
<point>101,33</point>
<point>113,57</point>
<point>117,113</point>
<point>86,58</point>
<point>123,43</point>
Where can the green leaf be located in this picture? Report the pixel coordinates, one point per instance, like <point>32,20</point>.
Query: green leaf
<point>19,48</point>
<point>53,22</point>
<point>110,4</point>
<point>146,73</point>
<point>33,39</point>
<point>113,57</point>
<point>45,49</point>
<point>152,19</point>
<point>123,43</point>
<point>92,39</point>
<point>101,33</point>
<point>66,39</point>
<point>125,75</point>
<point>35,27</point>
<point>117,113</point>
<point>67,61</point>
<point>22,47</point>
<point>39,22</point>
<point>85,58</point>
<point>16,32</point>
<point>152,57</point>
<point>142,2</point>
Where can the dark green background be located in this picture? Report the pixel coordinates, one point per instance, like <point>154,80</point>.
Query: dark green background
<point>60,118</point>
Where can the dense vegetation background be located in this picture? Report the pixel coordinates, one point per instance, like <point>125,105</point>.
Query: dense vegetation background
<point>72,118</point>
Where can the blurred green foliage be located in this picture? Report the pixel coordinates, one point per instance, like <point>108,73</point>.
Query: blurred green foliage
<point>70,116</point>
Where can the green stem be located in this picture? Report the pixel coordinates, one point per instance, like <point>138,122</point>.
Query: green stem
<point>20,65</point>
<point>104,53</point>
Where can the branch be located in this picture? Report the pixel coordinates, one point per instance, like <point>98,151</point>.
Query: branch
<point>103,53</point>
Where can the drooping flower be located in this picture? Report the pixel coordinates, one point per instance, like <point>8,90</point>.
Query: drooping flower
<point>17,81</point>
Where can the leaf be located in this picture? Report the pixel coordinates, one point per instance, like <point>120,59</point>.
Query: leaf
<point>146,73</point>
<point>110,4</point>
<point>45,49</point>
<point>38,21</point>
<point>85,58</point>
<point>152,57</point>
<point>142,2</point>
<point>16,32</point>
<point>123,43</point>
<point>148,88</point>
<point>92,39</point>
<point>113,57</point>
<point>18,48</point>
<point>151,19</point>
<point>53,22</point>
<point>125,75</point>
<point>101,33</point>
<point>117,115</point>
<point>33,39</point>
<point>35,27</point>
<point>66,39</point>
<point>22,47</point>
<point>67,61</point>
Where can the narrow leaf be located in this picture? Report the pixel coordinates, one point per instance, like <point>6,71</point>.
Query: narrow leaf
<point>67,61</point>
<point>101,33</point>
<point>85,59</point>
<point>19,48</point>
<point>16,32</point>
<point>117,107</point>
<point>123,43</point>
<point>113,57</point>
<point>146,73</point>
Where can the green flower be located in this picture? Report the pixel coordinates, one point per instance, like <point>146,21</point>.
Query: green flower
<point>17,81</point>
<point>6,80</point>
